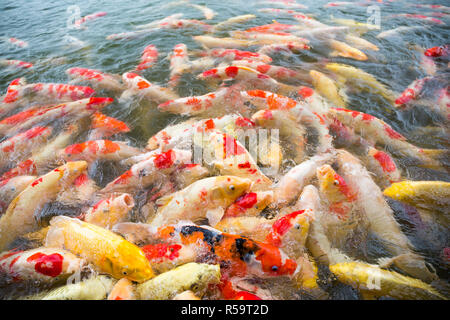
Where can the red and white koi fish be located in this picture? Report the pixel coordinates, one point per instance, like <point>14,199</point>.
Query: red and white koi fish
<point>20,146</point>
<point>15,63</point>
<point>99,150</point>
<point>19,217</point>
<point>79,193</point>
<point>139,86</point>
<point>277,72</point>
<point>41,265</point>
<point>440,51</point>
<point>384,167</point>
<point>231,158</point>
<point>144,173</point>
<point>178,60</point>
<point>18,118</point>
<point>377,131</point>
<point>96,78</point>
<point>206,198</point>
<point>235,54</point>
<point>412,92</point>
<point>269,38</point>
<point>103,126</point>
<point>38,162</point>
<point>380,216</point>
<point>110,211</point>
<point>288,47</point>
<point>241,73</point>
<point>18,42</point>
<point>70,110</point>
<point>292,183</point>
<point>148,58</point>
<point>10,188</point>
<point>420,17</point>
<point>93,16</point>
<point>52,92</point>
<point>198,104</point>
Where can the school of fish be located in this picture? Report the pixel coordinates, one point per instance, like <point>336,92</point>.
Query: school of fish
<point>323,199</point>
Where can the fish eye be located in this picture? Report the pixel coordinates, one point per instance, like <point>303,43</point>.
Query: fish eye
<point>275,268</point>
<point>297,226</point>
<point>336,183</point>
<point>232,188</point>
<point>124,272</point>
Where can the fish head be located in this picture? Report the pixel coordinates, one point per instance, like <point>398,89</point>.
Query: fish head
<point>332,185</point>
<point>131,264</point>
<point>273,262</point>
<point>229,188</point>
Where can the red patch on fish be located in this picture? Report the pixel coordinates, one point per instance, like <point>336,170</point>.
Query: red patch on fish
<point>263,68</point>
<point>81,180</point>
<point>161,251</point>
<point>164,160</point>
<point>230,146</point>
<point>232,71</point>
<point>305,92</point>
<point>210,73</point>
<point>49,265</point>
<point>281,227</point>
<point>244,122</point>
<point>385,161</point>
<point>36,182</point>
<point>392,133</point>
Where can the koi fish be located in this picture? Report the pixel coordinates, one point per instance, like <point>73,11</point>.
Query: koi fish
<point>276,72</point>
<point>148,58</point>
<point>137,85</point>
<point>360,43</point>
<point>17,42</point>
<point>18,218</point>
<point>94,288</point>
<point>20,146</point>
<point>11,187</point>
<point>231,158</point>
<point>157,22</point>
<point>40,265</point>
<point>38,162</point>
<point>193,276</point>
<point>122,290</point>
<point>380,216</point>
<point>268,38</point>
<point>383,166</point>
<point>378,282</point>
<point>89,17</point>
<point>103,126</point>
<point>110,211</point>
<point>270,49</point>
<point>344,50</point>
<point>412,92</point>
<point>440,51</point>
<point>308,22</point>
<point>253,227</point>
<point>99,150</point>
<point>206,198</point>
<point>213,42</point>
<point>420,17</point>
<point>327,88</point>
<point>423,194</point>
<point>96,78</point>
<point>374,129</point>
<point>72,111</point>
<point>290,129</point>
<point>235,54</point>
<point>398,30</point>
<point>178,59</point>
<point>205,104</point>
<point>16,63</point>
<point>233,20</point>
<point>146,172</point>
<point>116,256</point>
<point>292,183</point>
<point>52,92</point>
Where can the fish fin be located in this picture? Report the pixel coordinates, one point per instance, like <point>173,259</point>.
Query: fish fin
<point>385,262</point>
<point>164,200</point>
<point>214,215</point>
